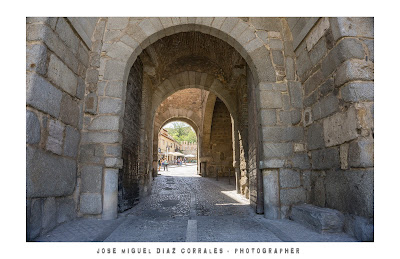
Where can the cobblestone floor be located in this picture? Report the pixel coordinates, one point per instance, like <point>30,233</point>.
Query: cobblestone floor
<point>186,207</point>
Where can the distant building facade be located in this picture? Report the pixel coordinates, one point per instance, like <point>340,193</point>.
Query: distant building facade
<point>167,144</point>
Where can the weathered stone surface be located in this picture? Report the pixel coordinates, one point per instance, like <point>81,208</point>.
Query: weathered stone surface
<point>49,217</point>
<point>318,52</point>
<point>285,118</point>
<point>62,76</point>
<point>65,209</point>
<point>91,103</point>
<point>290,68</point>
<point>311,99</point>
<point>359,227</point>
<point>36,58</point>
<point>92,153</point>
<point>325,158</point>
<point>313,82</point>
<point>268,117</point>
<point>325,107</point>
<point>317,32</point>
<point>295,117</point>
<point>265,23</point>
<point>113,162</point>
<point>270,99</point>
<point>101,137</point>
<point>48,175</point>
<point>71,142</point>
<point>90,203</point>
<point>340,127</point>
<point>271,194</point>
<point>32,128</point>
<point>80,90</point>
<point>354,70</point>
<point>35,218</point>
<point>315,136</point>
<point>91,178</point>
<point>351,191</point>
<point>327,87</point>
<point>289,178</point>
<point>347,48</point>
<point>322,220</point>
<point>303,63</point>
<point>42,95</point>
<point>296,94</point>
<point>361,153</point>
<point>110,194</point>
<point>69,113</point>
<point>114,150</point>
<point>272,163</point>
<point>358,92</point>
<point>277,150</point>
<point>301,161</point>
<point>110,105</point>
<point>55,138</point>
<point>105,123</point>
<point>292,196</point>
<point>298,147</point>
<point>282,134</point>
<point>277,57</point>
<point>352,27</point>
<point>344,154</point>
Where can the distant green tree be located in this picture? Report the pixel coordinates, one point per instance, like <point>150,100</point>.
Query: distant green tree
<point>181,131</point>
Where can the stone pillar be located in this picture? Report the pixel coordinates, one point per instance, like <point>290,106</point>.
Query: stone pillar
<point>271,193</point>
<point>110,194</point>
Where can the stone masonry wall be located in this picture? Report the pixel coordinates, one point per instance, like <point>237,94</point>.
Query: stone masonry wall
<point>220,142</point>
<point>128,177</point>
<point>335,64</point>
<point>56,63</point>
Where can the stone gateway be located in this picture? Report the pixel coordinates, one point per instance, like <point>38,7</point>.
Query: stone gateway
<point>283,105</point>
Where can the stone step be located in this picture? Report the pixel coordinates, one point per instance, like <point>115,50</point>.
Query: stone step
<point>321,220</point>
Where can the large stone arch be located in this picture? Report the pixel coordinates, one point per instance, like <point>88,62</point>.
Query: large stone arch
<point>124,40</point>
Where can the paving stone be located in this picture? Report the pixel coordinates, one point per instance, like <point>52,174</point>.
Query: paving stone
<point>32,128</point>
<point>42,95</point>
<point>322,220</point>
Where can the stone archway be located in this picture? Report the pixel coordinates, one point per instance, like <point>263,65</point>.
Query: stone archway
<point>125,39</point>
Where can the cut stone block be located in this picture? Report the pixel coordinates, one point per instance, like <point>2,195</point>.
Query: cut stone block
<point>321,220</point>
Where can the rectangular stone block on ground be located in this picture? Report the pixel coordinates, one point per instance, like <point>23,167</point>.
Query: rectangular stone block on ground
<point>322,220</point>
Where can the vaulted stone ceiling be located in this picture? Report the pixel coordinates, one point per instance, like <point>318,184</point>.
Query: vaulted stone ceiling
<point>192,51</point>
